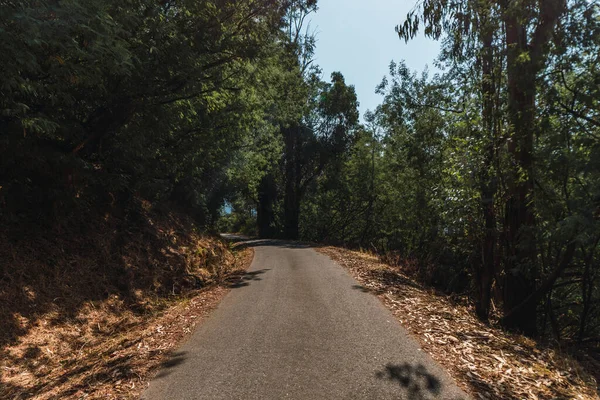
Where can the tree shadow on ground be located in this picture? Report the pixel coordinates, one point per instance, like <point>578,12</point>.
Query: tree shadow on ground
<point>244,279</point>
<point>415,381</point>
<point>174,359</point>
<point>365,289</point>
<point>119,269</point>
<point>109,367</point>
<point>102,368</point>
<point>284,244</point>
<point>386,279</point>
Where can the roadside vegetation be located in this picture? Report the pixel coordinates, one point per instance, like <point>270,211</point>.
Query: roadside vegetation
<point>486,361</point>
<point>93,316</point>
<point>482,178</point>
<point>120,125</point>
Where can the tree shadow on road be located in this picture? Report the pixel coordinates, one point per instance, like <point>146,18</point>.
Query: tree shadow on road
<point>176,358</point>
<point>365,289</point>
<point>415,381</point>
<point>285,244</point>
<point>244,279</point>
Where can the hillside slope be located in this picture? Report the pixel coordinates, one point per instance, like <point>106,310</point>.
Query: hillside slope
<point>91,307</point>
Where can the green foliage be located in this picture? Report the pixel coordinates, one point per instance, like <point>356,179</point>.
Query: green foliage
<point>486,177</point>
<point>114,99</point>
<point>444,177</point>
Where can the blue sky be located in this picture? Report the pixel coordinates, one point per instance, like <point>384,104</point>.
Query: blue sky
<point>357,38</point>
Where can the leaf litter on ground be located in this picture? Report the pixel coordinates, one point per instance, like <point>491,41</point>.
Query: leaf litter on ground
<point>486,361</point>
<point>110,349</point>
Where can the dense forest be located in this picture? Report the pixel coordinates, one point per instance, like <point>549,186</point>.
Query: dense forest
<point>483,178</point>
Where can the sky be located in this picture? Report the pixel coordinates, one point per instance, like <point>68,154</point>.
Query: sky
<point>357,38</point>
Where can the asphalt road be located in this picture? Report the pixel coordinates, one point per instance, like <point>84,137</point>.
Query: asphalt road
<point>297,326</point>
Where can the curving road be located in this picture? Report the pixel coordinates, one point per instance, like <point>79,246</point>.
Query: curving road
<point>296,327</point>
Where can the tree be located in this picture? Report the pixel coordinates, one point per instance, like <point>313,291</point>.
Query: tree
<point>111,99</point>
<point>529,28</point>
<point>311,144</point>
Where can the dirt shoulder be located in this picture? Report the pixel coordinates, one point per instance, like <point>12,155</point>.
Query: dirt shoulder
<point>484,360</point>
<point>109,349</point>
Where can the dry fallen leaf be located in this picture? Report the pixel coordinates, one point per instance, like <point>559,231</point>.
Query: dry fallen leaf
<point>481,358</point>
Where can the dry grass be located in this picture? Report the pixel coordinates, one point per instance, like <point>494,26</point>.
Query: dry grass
<point>93,316</point>
<point>484,360</point>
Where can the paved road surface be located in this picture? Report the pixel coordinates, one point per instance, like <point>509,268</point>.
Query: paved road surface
<point>298,327</point>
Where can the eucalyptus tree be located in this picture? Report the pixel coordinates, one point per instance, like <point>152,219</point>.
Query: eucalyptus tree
<point>526,29</point>
<point>567,178</point>
<point>316,141</point>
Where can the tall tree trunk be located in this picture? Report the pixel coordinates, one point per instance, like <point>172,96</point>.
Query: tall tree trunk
<point>532,299</point>
<point>586,297</point>
<point>291,200</point>
<point>292,220</point>
<point>486,272</point>
<point>520,266</point>
<point>369,213</point>
<point>267,194</point>
<point>587,287</point>
<point>525,60</point>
